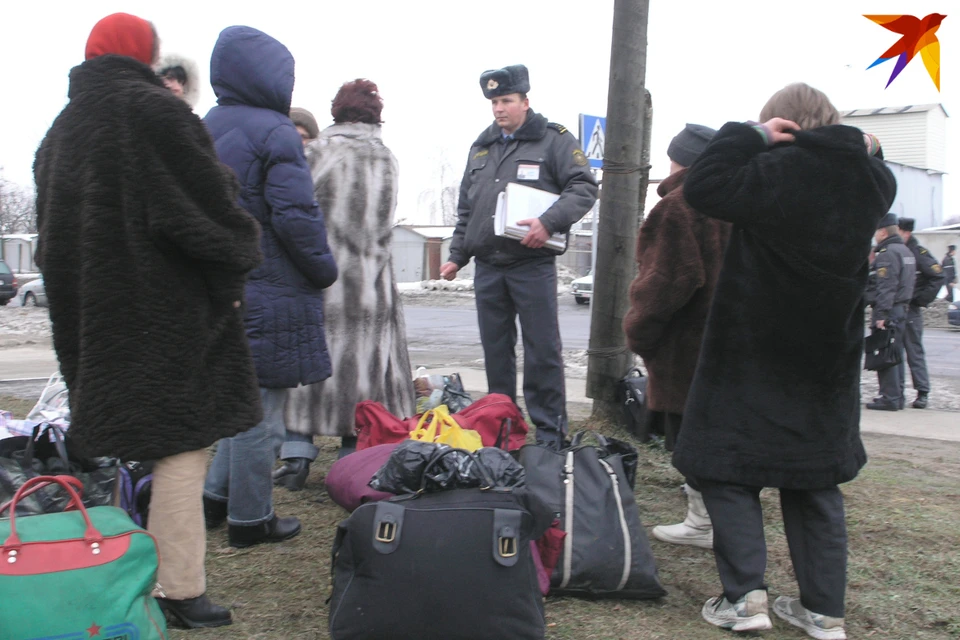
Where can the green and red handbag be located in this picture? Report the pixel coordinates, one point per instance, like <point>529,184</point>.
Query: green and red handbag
<point>86,574</point>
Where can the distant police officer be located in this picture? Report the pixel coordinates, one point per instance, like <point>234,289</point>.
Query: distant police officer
<point>930,278</point>
<point>519,277</point>
<point>894,270</point>
<point>950,271</point>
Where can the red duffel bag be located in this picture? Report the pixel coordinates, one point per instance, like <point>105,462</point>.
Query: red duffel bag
<point>495,417</point>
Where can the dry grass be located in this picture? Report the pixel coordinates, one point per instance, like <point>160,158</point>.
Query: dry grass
<point>903,520</point>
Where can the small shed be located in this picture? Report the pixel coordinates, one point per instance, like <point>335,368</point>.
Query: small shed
<point>17,250</point>
<point>914,135</point>
<point>418,252</point>
<point>919,194</point>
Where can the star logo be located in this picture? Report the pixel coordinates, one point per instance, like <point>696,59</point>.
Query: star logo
<point>492,84</point>
<point>919,36</point>
<point>94,630</point>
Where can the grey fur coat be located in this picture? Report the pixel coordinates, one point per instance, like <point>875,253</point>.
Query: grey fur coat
<point>355,181</point>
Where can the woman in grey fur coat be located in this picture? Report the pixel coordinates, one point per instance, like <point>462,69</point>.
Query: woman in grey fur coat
<point>355,181</point>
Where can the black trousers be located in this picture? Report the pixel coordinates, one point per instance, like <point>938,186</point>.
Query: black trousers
<point>527,290</point>
<point>816,534</point>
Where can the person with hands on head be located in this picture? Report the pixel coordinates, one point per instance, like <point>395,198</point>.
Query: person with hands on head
<point>775,400</point>
<point>520,278</point>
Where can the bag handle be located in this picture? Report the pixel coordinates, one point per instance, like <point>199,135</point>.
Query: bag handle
<point>439,456</point>
<point>632,371</point>
<point>59,443</point>
<point>579,436</point>
<point>503,437</point>
<point>68,483</point>
<point>75,482</point>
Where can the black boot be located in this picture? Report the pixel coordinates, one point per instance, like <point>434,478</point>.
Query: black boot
<point>921,401</point>
<point>348,444</point>
<point>195,613</point>
<point>883,405</point>
<point>274,530</point>
<point>293,474</point>
<point>214,513</point>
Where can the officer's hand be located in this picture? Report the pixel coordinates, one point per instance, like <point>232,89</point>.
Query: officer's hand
<point>881,324</point>
<point>537,236</point>
<point>448,270</point>
<point>780,130</point>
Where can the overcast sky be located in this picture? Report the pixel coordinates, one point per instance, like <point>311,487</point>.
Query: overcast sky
<point>709,64</point>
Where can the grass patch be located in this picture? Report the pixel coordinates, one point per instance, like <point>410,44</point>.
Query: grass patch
<point>903,524</point>
<point>904,565</point>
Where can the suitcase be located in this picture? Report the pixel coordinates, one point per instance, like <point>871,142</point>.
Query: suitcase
<point>450,565</point>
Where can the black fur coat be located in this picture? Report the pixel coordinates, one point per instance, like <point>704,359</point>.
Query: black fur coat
<point>143,251</point>
<point>775,400</point>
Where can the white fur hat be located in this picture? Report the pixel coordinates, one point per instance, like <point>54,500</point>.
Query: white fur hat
<point>191,88</point>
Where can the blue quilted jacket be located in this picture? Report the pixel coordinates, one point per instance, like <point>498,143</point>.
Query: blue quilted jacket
<point>252,76</point>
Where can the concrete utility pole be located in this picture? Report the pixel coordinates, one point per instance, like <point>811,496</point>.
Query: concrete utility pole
<point>621,205</point>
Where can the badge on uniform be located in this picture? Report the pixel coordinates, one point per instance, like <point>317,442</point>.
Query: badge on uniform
<point>528,172</point>
<point>882,272</point>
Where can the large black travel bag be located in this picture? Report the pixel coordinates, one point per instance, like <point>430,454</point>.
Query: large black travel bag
<point>448,565</point>
<point>589,487</point>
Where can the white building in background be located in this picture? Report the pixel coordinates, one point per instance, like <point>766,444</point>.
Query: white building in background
<point>915,148</point>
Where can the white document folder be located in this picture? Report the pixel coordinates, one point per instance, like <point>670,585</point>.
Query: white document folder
<point>520,202</point>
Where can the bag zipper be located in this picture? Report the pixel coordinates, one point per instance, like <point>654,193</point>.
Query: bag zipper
<point>625,530</point>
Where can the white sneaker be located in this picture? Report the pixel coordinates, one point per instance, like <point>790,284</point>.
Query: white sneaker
<point>749,613</point>
<point>696,530</point>
<point>816,625</point>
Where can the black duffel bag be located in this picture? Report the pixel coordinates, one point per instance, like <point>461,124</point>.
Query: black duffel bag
<point>606,552</point>
<point>447,565</point>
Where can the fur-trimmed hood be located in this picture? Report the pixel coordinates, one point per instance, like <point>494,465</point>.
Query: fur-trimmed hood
<point>191,90</point>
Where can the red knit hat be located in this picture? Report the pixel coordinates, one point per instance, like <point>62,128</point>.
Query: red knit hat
<point>124,35</point>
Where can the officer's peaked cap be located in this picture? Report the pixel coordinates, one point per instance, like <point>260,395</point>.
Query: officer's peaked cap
<point>906,224</point>
<point>500,82</point>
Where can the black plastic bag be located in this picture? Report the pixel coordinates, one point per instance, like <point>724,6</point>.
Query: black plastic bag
<point>46,453</point>
<point>417,466</point>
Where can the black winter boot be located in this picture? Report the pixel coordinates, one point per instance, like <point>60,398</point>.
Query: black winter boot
<point>293,474</point>
<point>275,530</point>
<point>195,613</point>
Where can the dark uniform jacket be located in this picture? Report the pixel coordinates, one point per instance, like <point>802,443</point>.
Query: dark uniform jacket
<point>930,276</point>
<point>949,269</point>
<point>542,155</point>
<point>775,399</point>
<point>894,269</point>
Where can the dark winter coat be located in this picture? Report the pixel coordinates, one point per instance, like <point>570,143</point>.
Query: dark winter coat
<point>546,150</point>
<point>252,75</point>
<point>144,252</point>
<point>679,253</point>
<point>775,400</point>
<point>930,276</point>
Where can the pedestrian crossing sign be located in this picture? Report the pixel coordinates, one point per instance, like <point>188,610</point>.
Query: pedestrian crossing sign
<point>592,138</point>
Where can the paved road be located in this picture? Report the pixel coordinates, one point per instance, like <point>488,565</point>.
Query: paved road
<point>435,331</point>
<point>444,335</point>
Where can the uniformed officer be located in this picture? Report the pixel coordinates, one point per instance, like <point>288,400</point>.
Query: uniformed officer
<point>930,278</point>
<point>895,272</point>
<point>520,277</point>
<point>950,270</point>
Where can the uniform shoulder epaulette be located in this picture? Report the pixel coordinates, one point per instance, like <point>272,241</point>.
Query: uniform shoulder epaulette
<point>882,250</point>
<point>558,127</point>
<point>923,251</point>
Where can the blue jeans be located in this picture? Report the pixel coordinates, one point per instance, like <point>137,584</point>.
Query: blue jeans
<point>290,444</point>
<point>241,472</point>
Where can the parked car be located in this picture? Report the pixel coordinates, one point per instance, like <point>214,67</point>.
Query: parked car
<point>8,284</point>
<point>953,314</point>
<point>33,294</point>
<point>582,289</point>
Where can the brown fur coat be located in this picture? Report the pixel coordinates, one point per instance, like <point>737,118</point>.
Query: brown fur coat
<point>679,253</point>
